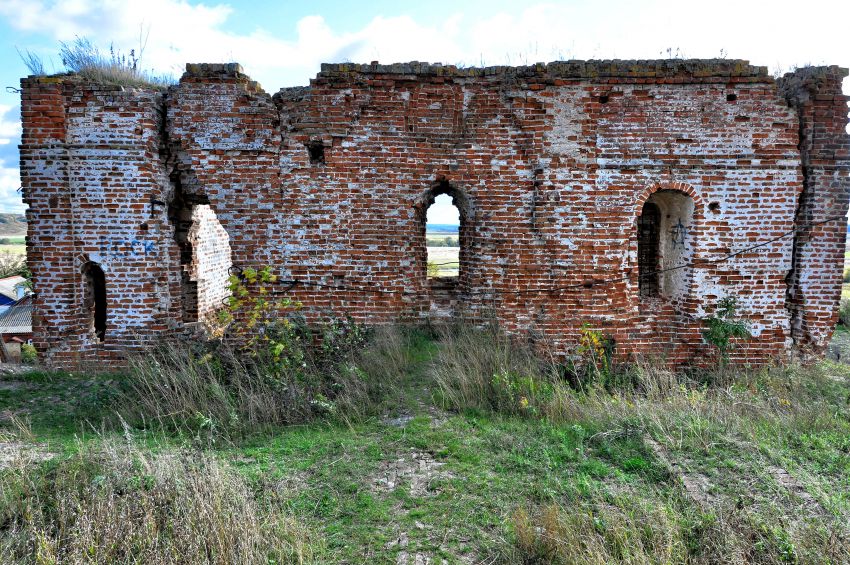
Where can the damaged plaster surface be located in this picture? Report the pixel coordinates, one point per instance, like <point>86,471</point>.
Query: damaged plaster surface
<point>169,191</point>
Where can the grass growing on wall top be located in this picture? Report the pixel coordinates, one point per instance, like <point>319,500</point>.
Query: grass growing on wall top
<point>85,59</point>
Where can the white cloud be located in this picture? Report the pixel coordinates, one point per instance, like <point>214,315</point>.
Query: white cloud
<point>10,129</point>
<point>442,211</point>
<point>10,181</point>
<point>180,32</point>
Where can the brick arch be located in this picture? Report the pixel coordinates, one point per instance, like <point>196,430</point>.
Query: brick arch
<point>442,293</point>
<point>460,198</point>
<point>675,186</point>
<point>687,304</point>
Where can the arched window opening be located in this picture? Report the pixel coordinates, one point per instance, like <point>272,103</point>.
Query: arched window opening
<point>665,243</point>
<point>205,259</point>
<point>649,229</point>
<point>445,238</point>
<point>442,236</point>
<point>94,299</point>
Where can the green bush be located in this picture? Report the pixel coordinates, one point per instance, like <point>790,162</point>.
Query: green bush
<point>29,356</point>
<point>844,312</point>
<point>724,326</point>
<point>433,270</point>
<point>269,369</point>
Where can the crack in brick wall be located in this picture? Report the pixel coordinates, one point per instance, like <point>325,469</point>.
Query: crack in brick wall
<point>328,184</point>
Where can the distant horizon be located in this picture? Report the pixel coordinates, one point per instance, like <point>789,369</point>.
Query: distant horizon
<point>442,228</point>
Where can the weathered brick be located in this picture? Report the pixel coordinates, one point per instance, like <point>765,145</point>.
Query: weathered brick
<point>550,165</point>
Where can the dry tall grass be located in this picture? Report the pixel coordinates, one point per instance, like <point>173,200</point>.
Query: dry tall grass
<point>82,57</point>
<point>477,368</point>
<point>469,368</point>
<point>625,530</point>
<point>115,503</point>
<point>228,391</point>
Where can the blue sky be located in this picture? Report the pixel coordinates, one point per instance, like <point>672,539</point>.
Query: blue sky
<point>283,43</point>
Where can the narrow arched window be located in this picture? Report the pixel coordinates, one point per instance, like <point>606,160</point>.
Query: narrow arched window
<point>442,237</point>
<point>94,299</point>
<point>649,232</point>
<point>445,241</point>
<point>665,245</point>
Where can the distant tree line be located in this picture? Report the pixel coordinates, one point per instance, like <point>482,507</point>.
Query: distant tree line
<point>443,242</point>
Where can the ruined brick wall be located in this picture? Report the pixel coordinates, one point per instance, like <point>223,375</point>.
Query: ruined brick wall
<point>814,288</point>
<point>91,168</point>
<point>550,166</point>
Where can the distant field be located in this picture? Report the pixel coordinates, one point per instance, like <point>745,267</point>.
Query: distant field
<point>445,255</point>
<point>437,235</point>
<point>16,249</point>
<point>440,239</point>
<point>13,244</point>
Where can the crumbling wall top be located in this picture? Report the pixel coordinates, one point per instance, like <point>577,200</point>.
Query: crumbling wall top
<point>799,85</point>
<point>224,72</point>
<point>576,69</point>
<point>214,70</point>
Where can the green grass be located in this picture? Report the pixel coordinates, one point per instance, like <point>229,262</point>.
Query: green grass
<point>473,485</point>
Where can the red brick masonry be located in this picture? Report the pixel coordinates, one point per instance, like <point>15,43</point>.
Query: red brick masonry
<point>550,166</point>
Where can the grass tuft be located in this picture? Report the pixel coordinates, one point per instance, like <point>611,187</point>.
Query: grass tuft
<point>623,530</point>
<point>112,502</point>
<point>82,57</point>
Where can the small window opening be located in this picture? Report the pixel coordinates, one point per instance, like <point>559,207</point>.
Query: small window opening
<point>649,232</point>
<point>94,298</point>
<point>442,235</point>
<point>731,97</point>
<point>316,150</point>
<point>603,99</point>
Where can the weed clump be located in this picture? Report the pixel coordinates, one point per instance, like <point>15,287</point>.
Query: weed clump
<point>269,369</point>
<point>625,530</point>
<point>844,313</point>
<point>82,57</point>
<point>85,59</point>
